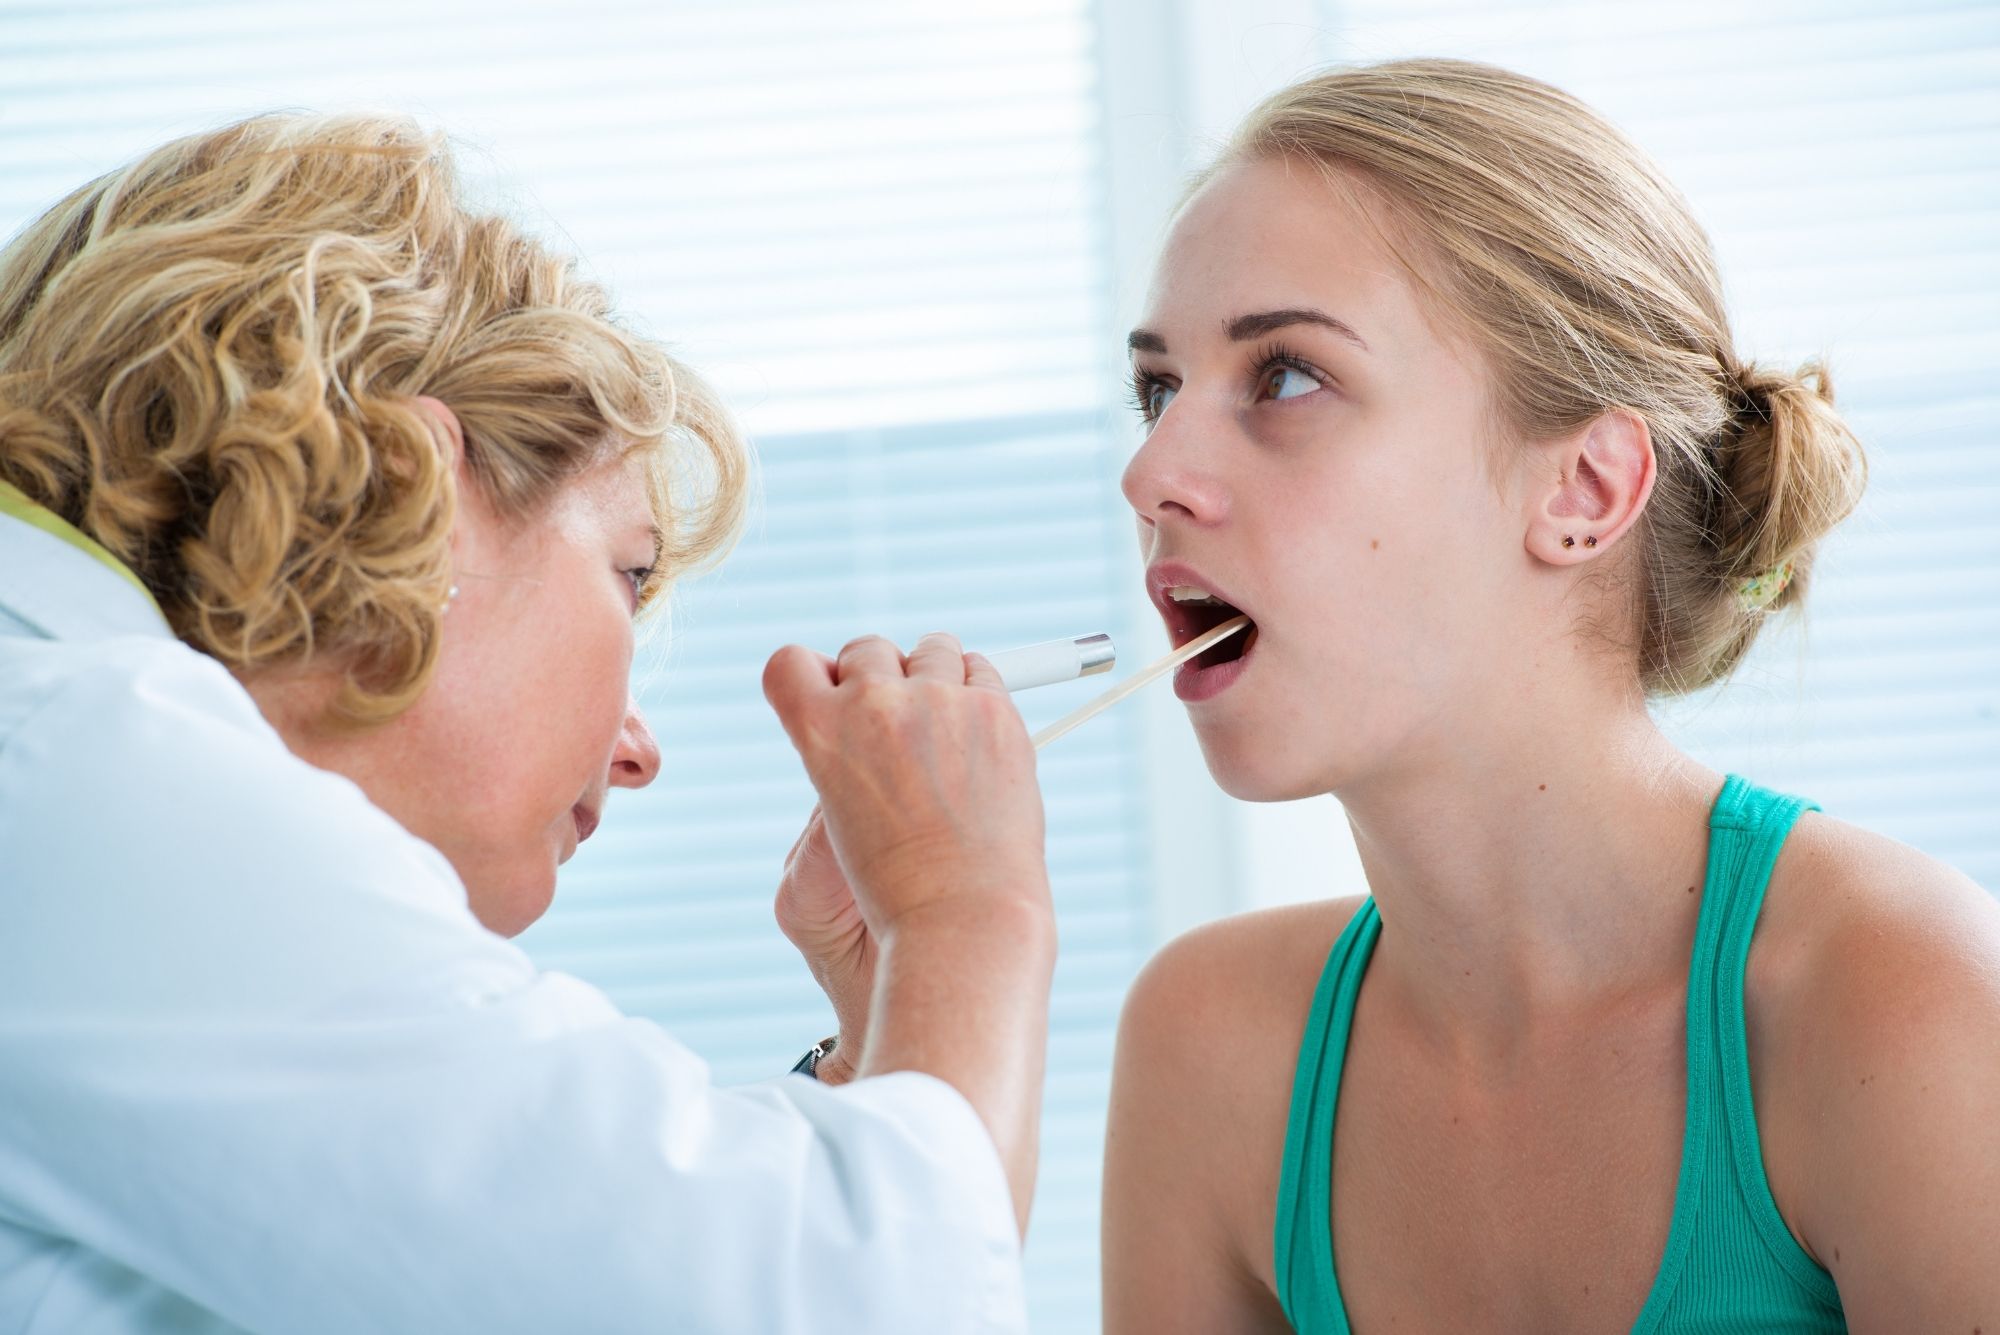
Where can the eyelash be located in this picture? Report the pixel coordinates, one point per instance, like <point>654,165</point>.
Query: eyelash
<point>640,577</point>
<point>1271,355</point>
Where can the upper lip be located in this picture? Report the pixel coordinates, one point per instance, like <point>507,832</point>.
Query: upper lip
<point>586,820</point>
<point>1164,575</point>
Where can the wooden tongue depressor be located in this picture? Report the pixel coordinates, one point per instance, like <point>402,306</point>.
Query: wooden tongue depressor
<point>1078,717</point>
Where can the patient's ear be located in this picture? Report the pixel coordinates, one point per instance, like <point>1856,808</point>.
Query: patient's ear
<point>1588,488</point>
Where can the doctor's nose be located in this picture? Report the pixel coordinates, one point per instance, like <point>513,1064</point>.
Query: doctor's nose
<point>635,762</point>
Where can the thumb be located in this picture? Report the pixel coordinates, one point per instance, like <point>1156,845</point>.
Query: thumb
<point>814,832</point>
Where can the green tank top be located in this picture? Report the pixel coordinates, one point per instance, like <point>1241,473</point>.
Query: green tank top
<point>1730,1262</point>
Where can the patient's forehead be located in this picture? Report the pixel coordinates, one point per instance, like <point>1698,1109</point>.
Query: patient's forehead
<point>1275,233</point>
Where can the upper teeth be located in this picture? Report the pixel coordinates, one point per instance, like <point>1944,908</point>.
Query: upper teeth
<point>1187,593</point>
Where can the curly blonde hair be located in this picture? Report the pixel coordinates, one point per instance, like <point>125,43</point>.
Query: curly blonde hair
<point>209,360</point>
<point>1581,274</point>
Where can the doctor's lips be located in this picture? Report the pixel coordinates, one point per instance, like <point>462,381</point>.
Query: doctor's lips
<point>1190,604</point>
<point>586,821</point>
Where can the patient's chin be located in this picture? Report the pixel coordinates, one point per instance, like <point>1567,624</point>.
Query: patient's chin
<point>1250,773</point>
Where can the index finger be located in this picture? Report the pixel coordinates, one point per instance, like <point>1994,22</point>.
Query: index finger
<point>938,655</point>
<point>980,672</point>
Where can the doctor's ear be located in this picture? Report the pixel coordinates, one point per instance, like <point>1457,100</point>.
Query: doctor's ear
<point>446,427</point>
<point>1588,487</point>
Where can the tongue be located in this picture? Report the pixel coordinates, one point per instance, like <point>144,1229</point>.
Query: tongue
<point>1231,649</point>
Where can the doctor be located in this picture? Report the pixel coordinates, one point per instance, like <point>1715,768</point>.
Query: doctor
<point>325,511</point>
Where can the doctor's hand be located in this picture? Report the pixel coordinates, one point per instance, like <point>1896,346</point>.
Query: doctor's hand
<point>925,773</point>
<point>927,789</point>
<point>817,913</point>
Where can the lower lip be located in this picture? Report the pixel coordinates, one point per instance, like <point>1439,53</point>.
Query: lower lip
<point>1194,683</point>
<point>585,823</point>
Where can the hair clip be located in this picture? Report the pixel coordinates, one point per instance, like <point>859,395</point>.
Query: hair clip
<point>1760,591</point>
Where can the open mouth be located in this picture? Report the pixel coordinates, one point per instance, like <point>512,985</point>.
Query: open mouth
<point>1194,611</point>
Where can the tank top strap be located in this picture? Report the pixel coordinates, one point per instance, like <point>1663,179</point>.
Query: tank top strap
<point>1308,1289</point>
<point>1747,830</point>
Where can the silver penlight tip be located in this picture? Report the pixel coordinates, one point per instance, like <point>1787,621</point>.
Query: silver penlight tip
<point>1097,652</point>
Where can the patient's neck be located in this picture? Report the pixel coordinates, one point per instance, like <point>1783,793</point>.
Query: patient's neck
<point>1544,864</point>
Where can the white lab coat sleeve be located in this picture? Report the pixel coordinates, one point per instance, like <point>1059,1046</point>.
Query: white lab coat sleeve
<point>254,1047</point>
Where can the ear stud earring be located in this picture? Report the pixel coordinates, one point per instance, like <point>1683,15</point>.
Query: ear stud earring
<point>1568,541</point>
<point>1590,541</point>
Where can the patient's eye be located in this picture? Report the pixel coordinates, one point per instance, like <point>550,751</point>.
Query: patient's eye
<point>1150,395</point>
<point>1283,374</point>
<point>1288,382</point>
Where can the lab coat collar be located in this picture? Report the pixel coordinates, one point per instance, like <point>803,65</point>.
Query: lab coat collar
<point>67,594</point>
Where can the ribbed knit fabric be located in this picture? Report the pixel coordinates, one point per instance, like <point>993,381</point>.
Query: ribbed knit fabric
<point>1730,1264</point>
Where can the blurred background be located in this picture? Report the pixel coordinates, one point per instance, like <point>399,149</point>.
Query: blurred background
<point>906,240</point>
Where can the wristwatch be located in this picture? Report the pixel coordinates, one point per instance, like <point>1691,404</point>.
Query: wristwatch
<point>809,1064</point>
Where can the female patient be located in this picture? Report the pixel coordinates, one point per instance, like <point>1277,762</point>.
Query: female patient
<point>1439,391</point>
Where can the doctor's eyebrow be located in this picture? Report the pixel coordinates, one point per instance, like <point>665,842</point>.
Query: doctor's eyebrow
<point>1246,327</point>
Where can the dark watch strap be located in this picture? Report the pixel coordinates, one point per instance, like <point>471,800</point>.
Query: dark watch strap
<point>809,1064</point>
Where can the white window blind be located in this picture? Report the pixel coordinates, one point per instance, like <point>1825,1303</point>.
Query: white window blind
<point>878,227</point>
<point>1845,158</point>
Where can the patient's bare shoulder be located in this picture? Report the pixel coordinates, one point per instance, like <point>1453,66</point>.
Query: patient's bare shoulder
<point>1234,987</point>
<point>1206,1050</point>
<point>1874,1017</point>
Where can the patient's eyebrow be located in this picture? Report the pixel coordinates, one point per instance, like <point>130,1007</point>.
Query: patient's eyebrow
<point>1246,327</point>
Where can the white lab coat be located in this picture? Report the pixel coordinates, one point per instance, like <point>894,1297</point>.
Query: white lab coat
<point>260,1067</point>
